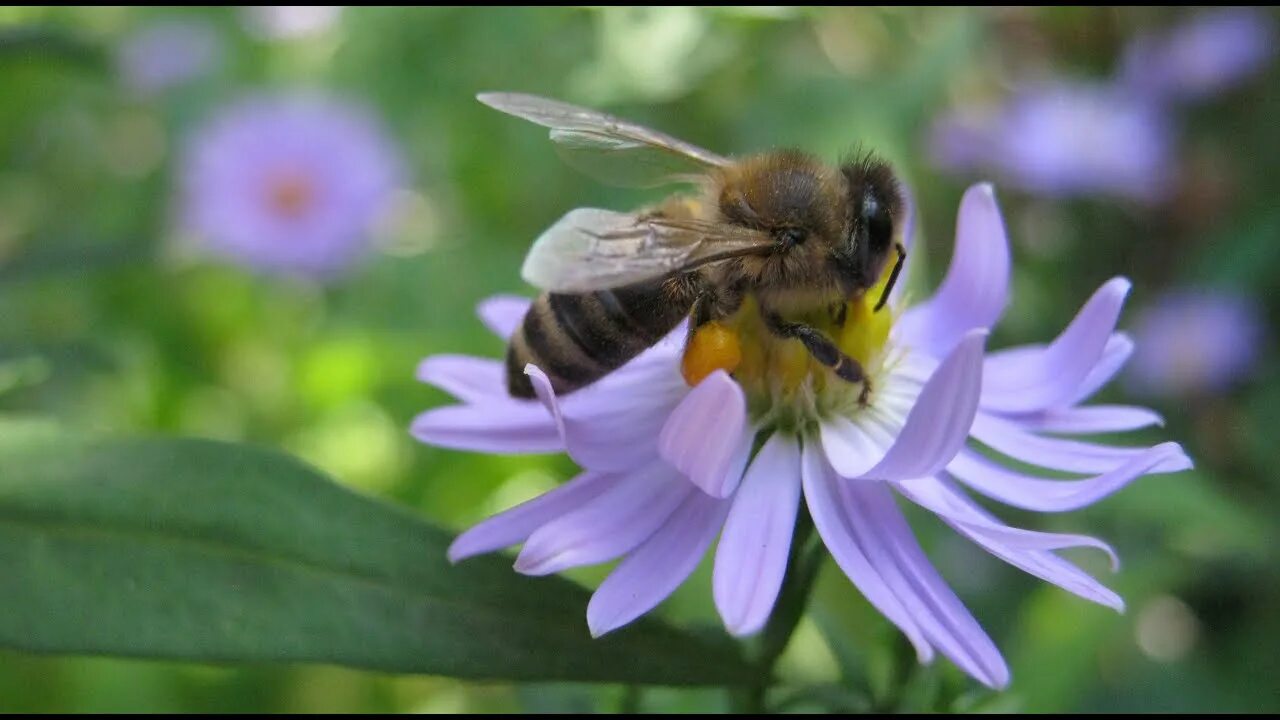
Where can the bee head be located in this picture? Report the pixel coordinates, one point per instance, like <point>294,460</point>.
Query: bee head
<point>786,194</point>
<point>874,203</point>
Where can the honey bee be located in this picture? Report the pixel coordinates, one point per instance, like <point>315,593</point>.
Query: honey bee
<point>795,235</point>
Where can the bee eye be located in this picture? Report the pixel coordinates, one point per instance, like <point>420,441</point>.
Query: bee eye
<point>879,226</point>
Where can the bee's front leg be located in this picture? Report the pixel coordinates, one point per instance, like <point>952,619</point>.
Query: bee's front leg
<point>823,349</point>
<point>839,313</point>
<point>714,304</point>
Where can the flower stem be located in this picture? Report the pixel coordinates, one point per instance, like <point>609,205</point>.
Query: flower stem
<point>802,570</point>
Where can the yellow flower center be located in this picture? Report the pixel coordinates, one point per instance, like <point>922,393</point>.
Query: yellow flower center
<point>779,375</point>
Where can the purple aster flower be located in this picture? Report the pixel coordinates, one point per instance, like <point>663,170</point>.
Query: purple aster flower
<point>168,53</point>
<point>1194,341</point>
<point>288,184</point>
<point>668,468</point>
<point>1208,53</point>
<point>1064,139</point>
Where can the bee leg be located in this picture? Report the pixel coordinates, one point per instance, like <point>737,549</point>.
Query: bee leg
<point>702,312</point>
<point>823,350</point>
<point>712,304</point>
<point>839,313</point>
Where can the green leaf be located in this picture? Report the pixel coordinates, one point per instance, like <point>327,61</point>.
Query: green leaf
<point>209,551</point>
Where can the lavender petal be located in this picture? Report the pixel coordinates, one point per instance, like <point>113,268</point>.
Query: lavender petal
<point>1024,549</point>
<point>1060,454</point>
<point>1114,356</point>
<point>469,379</point>
<point>751,559</point>
<point>1049,495</point>
<point>506,428</point>
<point>1029,379</point>
<point>854,448</point>
<point>892,549</point>
<point>945,500</point>
<point>658,566</point>
<point>976,288</point>
<point>1091,419</point>
<point>513,526</point>
<point>705,435</point>
<point>822,496</point>
<point>939,423</point>
<point>604,431</point>
<point>502,314</point>
<point>608,525</point>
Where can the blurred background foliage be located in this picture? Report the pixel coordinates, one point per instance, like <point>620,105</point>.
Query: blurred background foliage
<point>112,320</point>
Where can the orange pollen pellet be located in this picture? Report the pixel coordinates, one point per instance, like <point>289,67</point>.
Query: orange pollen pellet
<point>712,347</point>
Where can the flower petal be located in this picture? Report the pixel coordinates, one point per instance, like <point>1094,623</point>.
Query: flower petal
<point>502,314</point>
<point>512,526</point>
<point>1028,379</point>
<point>1074,456</point>
<point>1048,495</point>
<point>608,525</point>
<point>703,437</point>
<point>974,293</point>
<point>752,556</point>
<point>605,430</point>
<point>657,567</point>
<point>856,447</point>
<point>1024,549</point>
<point>943,499</point>
<point>469,379</point>
<point>1114,356</point>
<point>511,428</point>
<point>892,549</point>
<point>939,422</point>
<point>1091,419</point>
<point>822,496</point>
<point>862,438</point>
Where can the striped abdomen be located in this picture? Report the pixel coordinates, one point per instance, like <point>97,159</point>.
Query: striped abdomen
<point>578,339</point>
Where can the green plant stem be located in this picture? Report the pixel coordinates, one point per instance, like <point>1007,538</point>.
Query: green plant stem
<point>802,570</point>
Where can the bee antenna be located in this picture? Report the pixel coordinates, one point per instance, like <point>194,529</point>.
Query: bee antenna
<point>893,276</point>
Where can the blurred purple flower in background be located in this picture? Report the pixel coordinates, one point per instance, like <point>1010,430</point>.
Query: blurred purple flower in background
<point>289,22</point>
<point>1208,53</point>
<point>1069,138</point>
<point>289,184</point>
<point>668,468</point>
<point>1063,139</point>
<point>167,53</point>
<point>1196,341</point>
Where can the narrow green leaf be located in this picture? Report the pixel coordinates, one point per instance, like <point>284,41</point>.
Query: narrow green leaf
<point>210,551</point>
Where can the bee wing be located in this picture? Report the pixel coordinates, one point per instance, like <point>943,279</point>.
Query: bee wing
<point>607,148</point>
<point>590,249</point>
